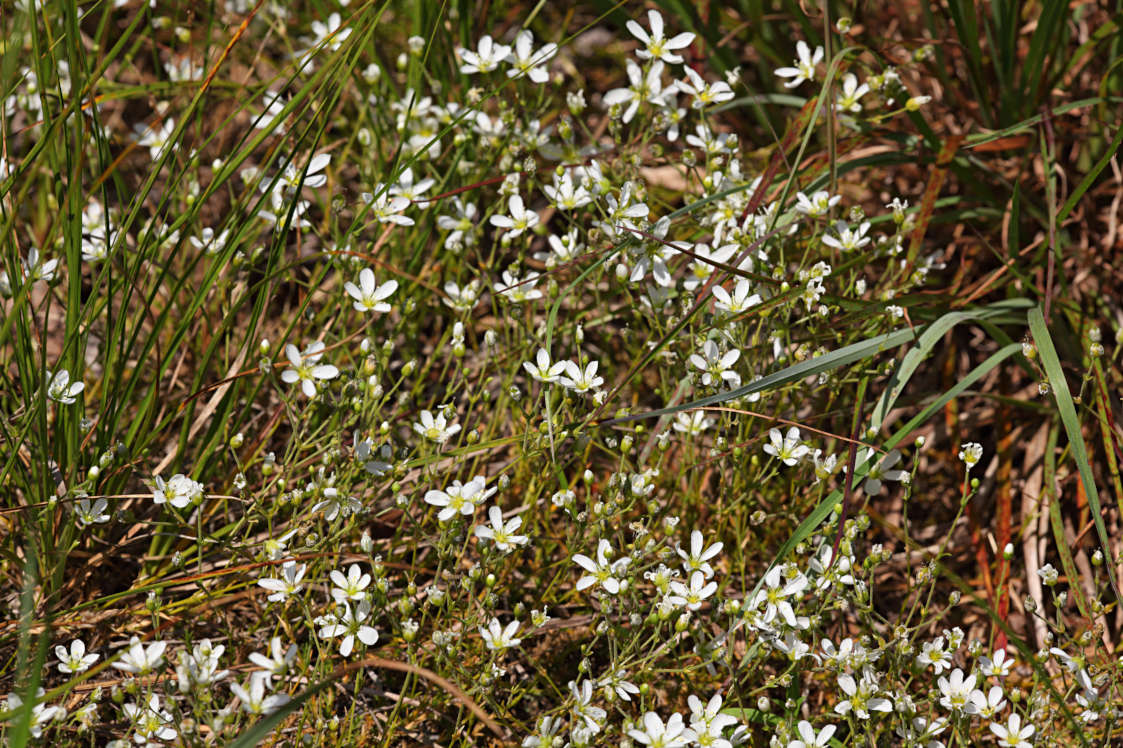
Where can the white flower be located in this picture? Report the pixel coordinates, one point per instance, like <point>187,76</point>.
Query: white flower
<point>37,268</point>
<point>139,659</point>
<point>335,503</point>
<point>349,625</point>
<point>933,653</point>
<point>862,695</point>
<point>89,514</point>
<point>616,681</point>
<point>704,93</point>
<point>582,695</point>
<point>809,738</point>
<point>602,571</point>
<point>304,367</point>
<point>460,498</point>
<point>462,299</point>
<point>848,239</point>
<point>816,205</point>
<point>41,713</point>
<point>485,58</point>
<point>349,587</point>
<point>990,704</point>
<point>850,93</point>
<point>708,722</point>
<point>501,533</point>
<point>498,638</point>
<point>525,61</point>
<point>543,370</point>
<point>313,175</point>
<point>518,290</point>
<point>566,195</point>
<point>998,666</point>
<point>277,662</point>
<point>776,593</point>
<point>155,138</point>
<point>253,698</point>
<point>692,423</point>
<point>656,46</point>
<point>368,296</point>
<point>408,189</point>
<point>740,300</point>
<point>461,225</point>
<point>971,453</point>
<point>330,34</point>
<point>693,596</point>
<point>75,660</point>
<point>520,219</point>
<point>435,428</point>
<point>804,69</point>
<point>643,88</point>
<point>581,380</point>
<point>956,691</point>
<point>387,208</point>
<point>657,734</point>
<point>288,584</point>
<point>150,721</point>
<point>179,491</point>
<point>1012,734</point>
<point>881,471</point>
<point>200,667</point>
<point>698,557</point>
<point>1049,576</point>
<point>788,448</point>
<point>716,366</point>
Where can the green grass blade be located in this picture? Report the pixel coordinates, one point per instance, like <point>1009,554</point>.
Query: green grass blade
<point>1071,422</point>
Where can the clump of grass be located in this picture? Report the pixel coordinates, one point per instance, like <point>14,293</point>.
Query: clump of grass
<point>547,382</point>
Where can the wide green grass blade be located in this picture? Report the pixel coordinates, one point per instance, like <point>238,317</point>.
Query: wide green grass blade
<point>1067,409</point>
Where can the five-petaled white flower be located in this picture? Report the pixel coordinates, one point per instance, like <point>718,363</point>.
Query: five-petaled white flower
<point>882,470</point>
<point>288,584</point>
<point>369,296</point>
<point>809,738</point>
<point>350,587</point>
<point>657,734</point>
<point>150,722</point>
<point>804,69</point>
<point>435,428</point>
<point>788,448</point>
<point>956,690</point>
<point>139,659</point>
<point>503,534</point>
<point>655,45</point>
<point>704,93</point>
<point>850,93</point>
<point>305,367</point>
<point>75,660</point>
<point>543,370</point>
<point>1012,734</point>
<point>971,453</point>
<point>61,389</point>
<point>520,219</point>
<point>86,513</point>
<point>179,491</point>
<point>460,498</point>
<point>602,571</point>
<point>716,366</point>
<point>485,58</point>
<point>350,624</point>
<point>277,662</point>
<point>498,638</point>
<point>524,60</point>
<point>253,698</point>
<point>581,380</point>
<point>699,556</point>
